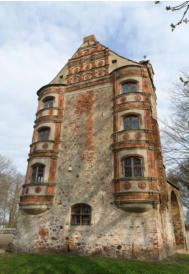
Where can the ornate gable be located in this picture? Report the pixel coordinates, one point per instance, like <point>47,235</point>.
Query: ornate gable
<point>89,62</point>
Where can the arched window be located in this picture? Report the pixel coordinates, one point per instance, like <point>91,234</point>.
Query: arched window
<point>81,214</point>
<point>129,87</point>
<point>48,102</point>
<point>37,173</point>
<point>43,134</point>
<point>131,122</point>
<point>132,167</point>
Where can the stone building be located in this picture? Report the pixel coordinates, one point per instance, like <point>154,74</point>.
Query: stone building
<point>95,183</point>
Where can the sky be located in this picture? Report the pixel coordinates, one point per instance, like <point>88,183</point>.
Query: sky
<point>38,38</point>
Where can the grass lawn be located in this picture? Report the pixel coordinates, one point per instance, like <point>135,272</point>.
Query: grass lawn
<point>51,264</point>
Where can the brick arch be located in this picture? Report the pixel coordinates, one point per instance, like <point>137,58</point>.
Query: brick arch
<point>43,127</point>
<point>48,98</point>
<point>176,221</point>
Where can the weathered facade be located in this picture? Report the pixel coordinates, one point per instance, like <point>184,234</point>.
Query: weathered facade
<point>96,183</point>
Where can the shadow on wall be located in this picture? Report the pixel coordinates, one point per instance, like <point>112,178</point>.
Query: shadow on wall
<point>6,239</point>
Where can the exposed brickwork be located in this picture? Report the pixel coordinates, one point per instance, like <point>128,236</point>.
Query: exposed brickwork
<point>52,172</point>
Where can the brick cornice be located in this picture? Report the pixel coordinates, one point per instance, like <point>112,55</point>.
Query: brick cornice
<point>151,179</point>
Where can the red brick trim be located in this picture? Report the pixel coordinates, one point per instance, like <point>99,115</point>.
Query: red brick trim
<point>52,170</point>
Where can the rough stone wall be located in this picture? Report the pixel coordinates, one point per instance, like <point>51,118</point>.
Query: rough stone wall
<point>121,234</point>
<point>86,134</point>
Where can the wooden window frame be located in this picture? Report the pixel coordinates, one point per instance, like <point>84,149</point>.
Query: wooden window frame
<point>41,133</point>
<point>130,116</point>
<point>36,177</point>
<point>48,102</point>
<point>129,82</point>
<point>132,166</point>
<point>77,218</point>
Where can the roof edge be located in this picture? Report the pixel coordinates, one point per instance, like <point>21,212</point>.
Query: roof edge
<point>49,85</point>
<point>173,185</point>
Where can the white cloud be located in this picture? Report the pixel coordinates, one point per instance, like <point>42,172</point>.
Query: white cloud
<point>37,39</point>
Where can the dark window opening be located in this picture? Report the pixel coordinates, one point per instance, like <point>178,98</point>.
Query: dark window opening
<point>81,215</point>
<point>43,134</point>
<point>129,87</point>
<point>37,174</point>
<point>132,167</point>
<point>48,103</point>
<point>131,122</point>
<point>114,61</point>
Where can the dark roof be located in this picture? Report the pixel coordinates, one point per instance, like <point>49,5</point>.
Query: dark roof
<point>175,186</point>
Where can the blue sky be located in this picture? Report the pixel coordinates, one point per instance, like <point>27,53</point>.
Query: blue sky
<point>37,39</point>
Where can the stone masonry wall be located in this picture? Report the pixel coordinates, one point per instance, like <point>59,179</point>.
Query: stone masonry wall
<point>86,134</point>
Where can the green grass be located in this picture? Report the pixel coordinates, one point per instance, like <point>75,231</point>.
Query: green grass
<point>52,264</point>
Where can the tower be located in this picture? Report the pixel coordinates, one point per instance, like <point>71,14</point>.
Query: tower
<point>95,182</point>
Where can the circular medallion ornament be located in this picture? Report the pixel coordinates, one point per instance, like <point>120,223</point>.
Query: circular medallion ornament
<point>142,185</point>
<point>76,70</point>
<point>137,135</point>
<point>127,185</point>
<point>100,63</point>
<point>38,189</point>
<point>138,98</point>
<point>126,136</point>
<point>45,146</point>
<point>123,99</point>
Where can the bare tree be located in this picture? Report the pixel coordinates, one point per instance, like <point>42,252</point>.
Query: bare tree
<point>176,131</point>
<point>184,6</point>
<point>10,186</point>
<point>175,135</point>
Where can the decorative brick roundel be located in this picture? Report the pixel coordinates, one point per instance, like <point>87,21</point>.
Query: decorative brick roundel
<point>100,63</point>
<point>45,146</point>
<point>137,135</point>
<point>126,136</point>
<point>137,97</point>
<point>142,185</point>
<point>123,99</point>
<point>38,189</point>
<point>76,70</point>
<point>127,185</point>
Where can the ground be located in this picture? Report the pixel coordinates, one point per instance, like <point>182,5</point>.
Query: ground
<point>41,264</point>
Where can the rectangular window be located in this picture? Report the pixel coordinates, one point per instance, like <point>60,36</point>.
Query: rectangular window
<point>133,167</point>
<point>129,87</point>
<point>43,134</point>
<point>81,215</point>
